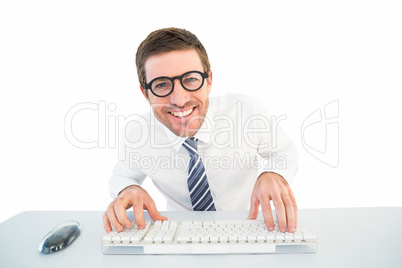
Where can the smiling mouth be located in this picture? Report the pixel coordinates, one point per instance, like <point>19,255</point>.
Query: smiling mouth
<point>183,113</point>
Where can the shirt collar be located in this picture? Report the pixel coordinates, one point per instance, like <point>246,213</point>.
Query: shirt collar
<point>204,133</point>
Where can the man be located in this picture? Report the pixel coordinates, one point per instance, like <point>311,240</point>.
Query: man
<point>226,153</point>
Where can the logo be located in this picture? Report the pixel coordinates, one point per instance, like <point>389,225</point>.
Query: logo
<point>320,134</point>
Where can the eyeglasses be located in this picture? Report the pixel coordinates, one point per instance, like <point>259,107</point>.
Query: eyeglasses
<point>163,86</point>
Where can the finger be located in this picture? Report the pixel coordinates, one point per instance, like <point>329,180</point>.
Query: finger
<point>292,197</point>
<point>289,213</point>
<point>153,211</point>
<point>280,213</point>
<point>121,213</point>
<point>106,223</point>
<point>113,219</point>
<point>138,208</point>
<point>267,213</point>
<point>254,205</point>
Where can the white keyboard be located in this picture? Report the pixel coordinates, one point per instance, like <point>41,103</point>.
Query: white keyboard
<point>207,237</point>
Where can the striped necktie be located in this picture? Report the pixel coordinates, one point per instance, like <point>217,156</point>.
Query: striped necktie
<point>197,182</point>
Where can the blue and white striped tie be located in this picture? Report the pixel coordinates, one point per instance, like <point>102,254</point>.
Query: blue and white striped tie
<point>197,182</point>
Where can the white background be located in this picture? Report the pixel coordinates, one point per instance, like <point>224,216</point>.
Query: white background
<point>297,56</point>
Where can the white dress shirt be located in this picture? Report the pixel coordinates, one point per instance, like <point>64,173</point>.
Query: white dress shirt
<point>238,141</point>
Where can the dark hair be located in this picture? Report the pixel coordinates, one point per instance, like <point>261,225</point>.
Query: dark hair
<point>167,40</point>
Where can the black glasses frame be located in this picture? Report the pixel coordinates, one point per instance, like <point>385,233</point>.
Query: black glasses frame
<point>180,77</point>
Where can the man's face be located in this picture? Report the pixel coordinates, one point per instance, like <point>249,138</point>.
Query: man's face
<point>182,111</point>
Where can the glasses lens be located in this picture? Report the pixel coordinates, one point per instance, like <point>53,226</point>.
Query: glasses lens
<point>161,86</point>
<point>192,81</point>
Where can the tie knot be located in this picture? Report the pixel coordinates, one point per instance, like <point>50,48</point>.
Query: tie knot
<point>191,145</point>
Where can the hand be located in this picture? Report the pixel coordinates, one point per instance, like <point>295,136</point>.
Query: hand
<point>132,196</point>
<point>271,186</point>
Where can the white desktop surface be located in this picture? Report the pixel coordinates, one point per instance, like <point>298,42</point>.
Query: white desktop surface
<point>347,237</point>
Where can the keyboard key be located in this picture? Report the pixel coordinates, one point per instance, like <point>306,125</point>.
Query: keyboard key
<point>223,239</point>
<point>157,226</point>
<point>186,223</point>
<point>165,225</point>
<point>270,238</point>
<point>167,239</point>
<point>107,238</point>
<point>279,237</point>
<point>251,238</point>
<point>148,239</point>
<point>183,239</point>
<point>260,238</point>
<point>242,238</point>
<point>214,239</point>
<point>288,237</point>
<point>298,237</point>
<point>116,239</point>
<point>158,239</point>
<point>204,239</point>
<point>232,239</point>
<point>195,239</point>
<point>135,239</point>
<point>309,237</point>
<point>173,226</point>
<point>207,223</point>
<point>125,239</point>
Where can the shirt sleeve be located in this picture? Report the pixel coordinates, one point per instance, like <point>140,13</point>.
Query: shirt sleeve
<point>277,153</point>
<point>282,161</point>
<point>123,177</point>
<point>125,173</point>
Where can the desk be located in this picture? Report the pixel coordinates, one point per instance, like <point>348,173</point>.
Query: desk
<point>348,237</point>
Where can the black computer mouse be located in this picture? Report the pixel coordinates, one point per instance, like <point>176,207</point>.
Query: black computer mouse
<point>60,237</point>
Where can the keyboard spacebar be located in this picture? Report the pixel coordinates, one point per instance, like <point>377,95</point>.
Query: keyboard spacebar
<point>209,248</point>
